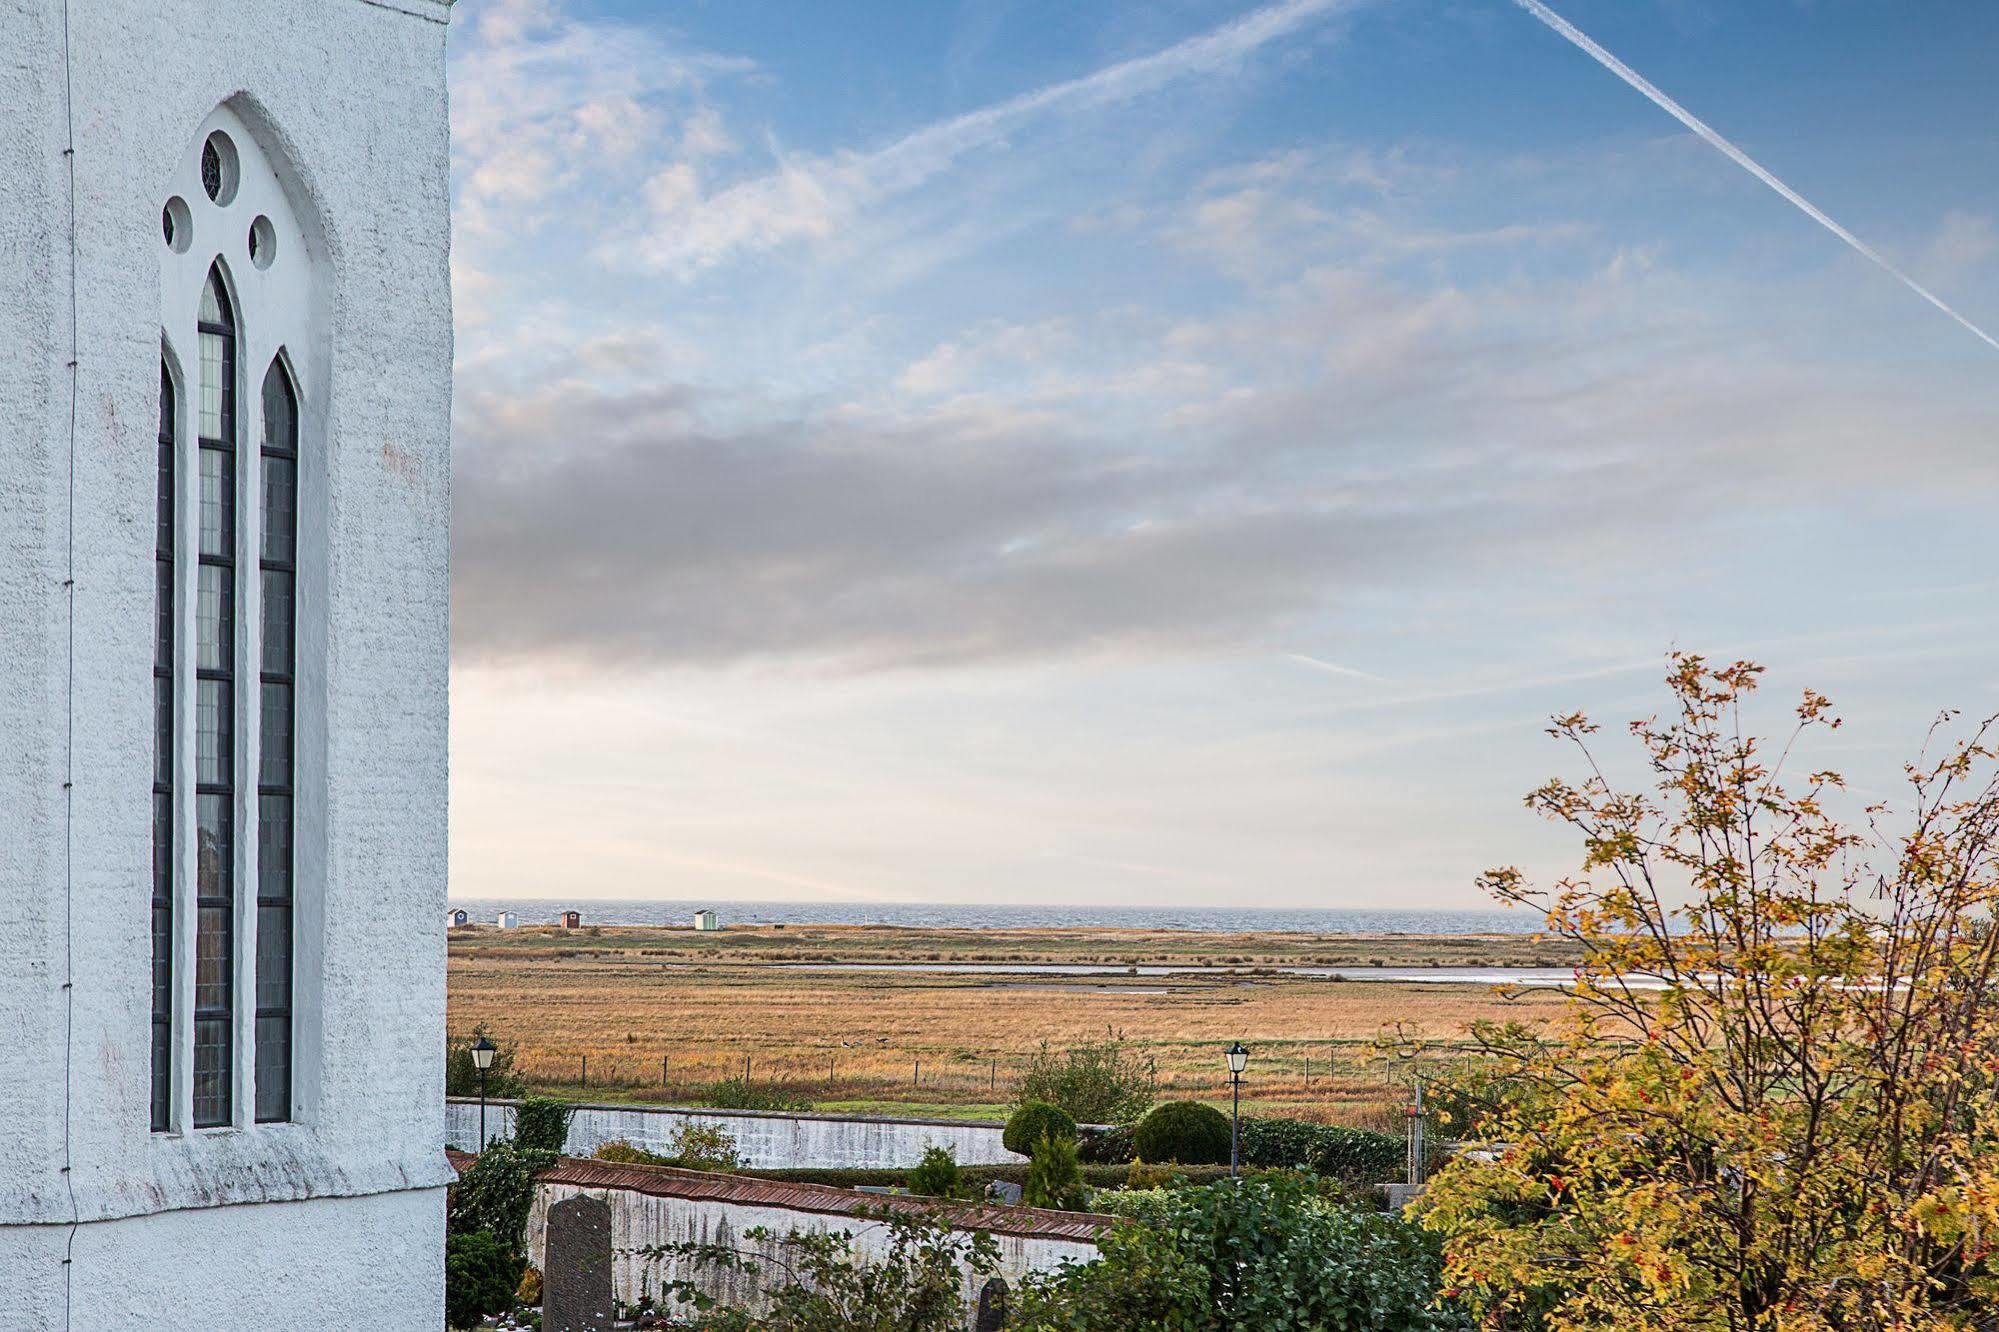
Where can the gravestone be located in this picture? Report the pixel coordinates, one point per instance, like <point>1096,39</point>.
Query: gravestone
<point>992,1307</point>
<point>576,1267</point>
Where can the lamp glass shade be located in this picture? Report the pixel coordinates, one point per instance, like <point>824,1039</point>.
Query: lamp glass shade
<point>1238,1058</point>
<point>482,1053</point>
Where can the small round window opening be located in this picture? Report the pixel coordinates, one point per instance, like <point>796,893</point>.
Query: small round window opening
<point>263,242</point>
<point>218,168</point>
<point>176,226</point>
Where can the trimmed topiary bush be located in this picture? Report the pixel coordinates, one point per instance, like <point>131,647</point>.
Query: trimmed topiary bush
<point>1033,1121</point>
<point>1185,1133</point>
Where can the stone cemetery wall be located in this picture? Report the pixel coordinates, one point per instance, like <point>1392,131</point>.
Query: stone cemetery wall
<point>654,1207</point>
<point>766,1141</point>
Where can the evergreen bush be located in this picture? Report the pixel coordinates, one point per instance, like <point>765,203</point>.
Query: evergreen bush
<point>1357,1156</point>
<point>541,1124</point>
<point>937,1175</point>
<point>1054,1178</point>
<point>1034,1120</point>
<point>481,1275</point>
<point>1185,1133</point>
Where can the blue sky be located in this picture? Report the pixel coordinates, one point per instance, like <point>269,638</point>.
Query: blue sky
<point>1182,451</point>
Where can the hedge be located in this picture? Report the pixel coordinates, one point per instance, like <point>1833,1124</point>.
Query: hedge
<point>1096,1176</point>
<point>1358,1156</point>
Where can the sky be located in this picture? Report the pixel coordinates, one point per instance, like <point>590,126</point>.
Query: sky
<point>1180,452</point>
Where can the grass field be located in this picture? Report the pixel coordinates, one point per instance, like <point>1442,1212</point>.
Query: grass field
<point>914,1042</point>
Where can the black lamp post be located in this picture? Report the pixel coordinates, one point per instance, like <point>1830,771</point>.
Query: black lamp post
<point>482,1059</point>
<point>1238,1061</point>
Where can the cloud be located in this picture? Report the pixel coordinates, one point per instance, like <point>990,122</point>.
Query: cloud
<point>808,198</point>
<point>540,97</point>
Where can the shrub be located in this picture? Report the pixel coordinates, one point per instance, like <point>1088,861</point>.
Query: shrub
<point>1101,1082</point>
<point>541,1124</point>
<point>1033,1121</point>
<point>619,1152</point>
<point>496,1191</point>
<point>1142,1176</point>
<point>1184,1132</point>
<point>936,1176</point>
<point>480,1277</point>
<point>1054,1178</point>
<point>1358,1156</point>
<point>1268,1254</point>
<point>1107,1146</point>
<point>529,1291</point>
<point>692,1147</point>
<point>742,1094</point>
<point>461,1075</point>
<point>817,1282</point>
<point>697,1146</point>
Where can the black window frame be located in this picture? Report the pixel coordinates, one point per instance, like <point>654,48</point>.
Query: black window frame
<point>165,534</point>
<point>217,1110</point>
<point>273,1100</point>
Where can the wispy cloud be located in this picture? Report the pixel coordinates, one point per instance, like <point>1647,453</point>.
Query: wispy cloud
<point>809,198</point>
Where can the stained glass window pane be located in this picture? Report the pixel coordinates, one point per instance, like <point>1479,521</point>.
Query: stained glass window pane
<point>275,750</point>
<point>214,620</point>
<point>211,1072</point>
<point>274,847</point>
<point>218,504</point>
<point>214,846</point>
<point>274,1067</point>
<point>277,622</point>
<point>213,733</point>
<point>280,496</point>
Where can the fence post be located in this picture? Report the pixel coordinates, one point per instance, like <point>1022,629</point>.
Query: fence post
<point>916,1079</point>
<point>746,1070</point>
<point>829,1072</point>
<point>586,1070</point>
<point>993,1083</point>
<point>664,1080</point>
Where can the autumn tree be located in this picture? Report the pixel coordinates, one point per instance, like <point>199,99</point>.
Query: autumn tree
<point>1770,1102</point>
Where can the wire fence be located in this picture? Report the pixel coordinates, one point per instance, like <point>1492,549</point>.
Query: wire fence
<point>1342,1077</point>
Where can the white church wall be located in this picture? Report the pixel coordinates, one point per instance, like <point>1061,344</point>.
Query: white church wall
<point>349,97</point>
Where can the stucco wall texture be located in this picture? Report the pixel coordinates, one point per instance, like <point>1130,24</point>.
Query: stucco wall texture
<point>764,1141</point>
<point>335,1220</point>
<point>640,1220</point>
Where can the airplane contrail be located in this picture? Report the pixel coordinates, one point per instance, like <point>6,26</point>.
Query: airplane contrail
<point>1740,158</point>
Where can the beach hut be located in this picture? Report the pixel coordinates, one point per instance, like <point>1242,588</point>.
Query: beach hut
<point>457,916</point>
<point>572,920</point>
<point>507,920</point>
<point>707,920</point>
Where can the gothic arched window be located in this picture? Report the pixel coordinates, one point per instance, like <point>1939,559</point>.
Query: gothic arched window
<point>238,796</point>
<point>215,712</point>
<point>277,565</point>
<point>163,763</point>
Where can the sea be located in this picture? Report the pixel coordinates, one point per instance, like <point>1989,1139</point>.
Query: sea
<point>1013,916</point>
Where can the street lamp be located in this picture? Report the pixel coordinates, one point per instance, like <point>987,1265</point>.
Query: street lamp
<point>482,1059</point>
<point>1238,1060</point>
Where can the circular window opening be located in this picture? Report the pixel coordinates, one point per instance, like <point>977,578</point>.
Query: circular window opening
<point>263,242</point>
<point>218,168</point>
<point>176,225</point>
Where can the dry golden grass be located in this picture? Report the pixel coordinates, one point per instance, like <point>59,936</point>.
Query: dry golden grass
<point>623,999</point>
